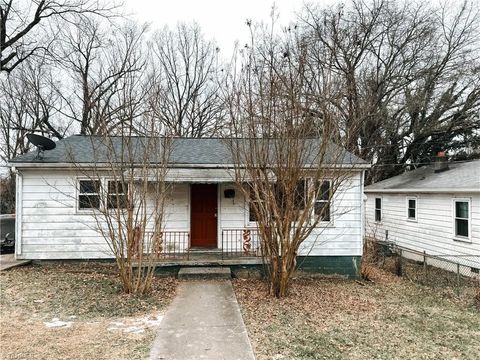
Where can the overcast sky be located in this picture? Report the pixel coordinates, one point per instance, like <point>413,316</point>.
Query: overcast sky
<point>222,20</point>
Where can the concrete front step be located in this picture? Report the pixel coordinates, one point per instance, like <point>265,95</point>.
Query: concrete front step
<point>191,273</point>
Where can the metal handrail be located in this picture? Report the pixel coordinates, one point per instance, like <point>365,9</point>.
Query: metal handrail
<point>240,243</point>
<point>171,245</point>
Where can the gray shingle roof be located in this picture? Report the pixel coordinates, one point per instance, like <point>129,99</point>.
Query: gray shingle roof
<point>461,176</point>
<point>195,151</point>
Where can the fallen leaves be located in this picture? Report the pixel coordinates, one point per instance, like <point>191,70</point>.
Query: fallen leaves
<point>327,318</point>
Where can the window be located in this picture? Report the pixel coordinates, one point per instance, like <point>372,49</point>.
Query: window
<point>323,200</point>
<point>282,196</point>
<point>378,209</point>
<point>462,218</point>
<point>411,208</point>
<point>89,194</point>
<point>117,195</point>
<point>299,199</point>
<point>252,216</point>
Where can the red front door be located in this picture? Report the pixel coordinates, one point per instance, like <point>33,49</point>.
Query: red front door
<point>203,200</point>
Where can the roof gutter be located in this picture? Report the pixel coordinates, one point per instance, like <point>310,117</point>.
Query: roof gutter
<point>33,165</point>
<point>424,191</point>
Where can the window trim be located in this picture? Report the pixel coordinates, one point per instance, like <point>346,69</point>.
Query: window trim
<point>469,219</point>
<point>375,209</point>
<point>78,193</point>
<point>408,198</point>
<point>309,183</point>
<point>324,223</point>
<point>248,200</point>
<point>107,181</point>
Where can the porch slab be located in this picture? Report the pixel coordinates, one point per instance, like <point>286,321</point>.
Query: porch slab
<point>209,262</point>
<point>192,273</point>
<point>203,322</point>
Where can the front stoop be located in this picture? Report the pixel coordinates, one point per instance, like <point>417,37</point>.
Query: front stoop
<point>192,273</point>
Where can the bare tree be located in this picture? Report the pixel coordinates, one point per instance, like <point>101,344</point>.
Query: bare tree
<point>285,163</point>
<point>126,190</point>
<point>25,26</point>
<point>409,76</point>
<point>187,86</point>
<point>27,104</point>
<point>100,61</point>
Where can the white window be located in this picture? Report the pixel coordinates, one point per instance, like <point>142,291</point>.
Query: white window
<point>88,194</point>
<point>300,194</point>
<point>412,208</point>
<point>378,209</point>
<point>117,197</point>
<point>461,213</point>
<point>323,200</point>
<point>253,201</point>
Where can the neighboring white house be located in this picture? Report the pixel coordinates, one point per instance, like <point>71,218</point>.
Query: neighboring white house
<point>52,223</point>
<point>434,209</point>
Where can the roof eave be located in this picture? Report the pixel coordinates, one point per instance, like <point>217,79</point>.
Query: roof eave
<point>430,191</point>
<point>46,165</point>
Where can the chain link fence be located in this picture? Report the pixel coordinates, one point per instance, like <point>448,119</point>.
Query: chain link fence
<point>459,274</point>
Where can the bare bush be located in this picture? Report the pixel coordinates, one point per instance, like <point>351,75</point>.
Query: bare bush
<point>285,162</point>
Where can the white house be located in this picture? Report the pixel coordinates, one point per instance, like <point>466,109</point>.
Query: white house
<point>203,211</point>
<point>434,209</point>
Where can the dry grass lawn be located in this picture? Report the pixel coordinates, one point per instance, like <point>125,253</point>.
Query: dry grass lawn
<point>390,318</point>
<point>100,322</point>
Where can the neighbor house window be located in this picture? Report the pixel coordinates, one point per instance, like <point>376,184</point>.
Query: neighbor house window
<point>117,195</point>
<point>462,218</point>
<point>378,209</point>
<point>323,200</point>
<point>411,208</point>
<point>89,194</point>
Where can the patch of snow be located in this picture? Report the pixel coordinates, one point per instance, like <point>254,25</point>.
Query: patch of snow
<point>57,323</point>
<point>134,330</point>
<point>136,325</point>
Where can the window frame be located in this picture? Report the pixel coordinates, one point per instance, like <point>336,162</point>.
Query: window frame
<point>375,209</point>
<point>307,187</point>
<point>408,199</point>
<point>249,200</point>
<point>108,194</point>
<point>79,193</point>
<point>329,201</point>
<point>469,220</point>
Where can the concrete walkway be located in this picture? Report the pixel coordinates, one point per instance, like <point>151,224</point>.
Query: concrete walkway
<point>7,261</point>
<point>203,322</point>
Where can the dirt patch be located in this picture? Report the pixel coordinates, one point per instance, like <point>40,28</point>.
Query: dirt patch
<point>77,311</point>
<point>335,319</point>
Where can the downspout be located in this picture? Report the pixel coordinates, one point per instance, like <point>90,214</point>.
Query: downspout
<point>18,211</point>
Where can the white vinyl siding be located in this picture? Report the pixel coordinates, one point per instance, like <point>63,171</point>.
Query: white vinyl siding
<point>434,230</point>
<point>342,236</point>
<point>52,227</point>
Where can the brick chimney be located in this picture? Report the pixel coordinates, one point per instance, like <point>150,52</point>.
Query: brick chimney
<point>441,162</point>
